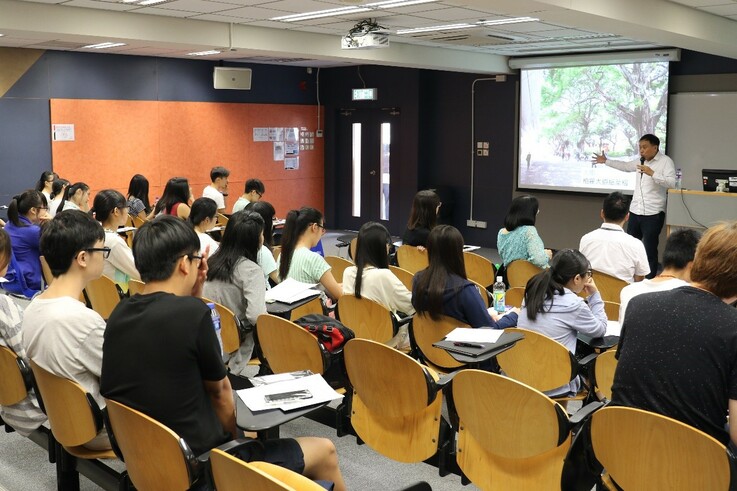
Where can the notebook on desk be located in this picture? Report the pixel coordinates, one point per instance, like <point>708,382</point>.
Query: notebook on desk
<point>476,349</point>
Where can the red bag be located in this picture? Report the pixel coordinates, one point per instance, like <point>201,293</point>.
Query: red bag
<point>331,333</point>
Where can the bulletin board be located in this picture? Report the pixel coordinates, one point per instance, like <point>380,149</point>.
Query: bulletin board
<point>113,140</point>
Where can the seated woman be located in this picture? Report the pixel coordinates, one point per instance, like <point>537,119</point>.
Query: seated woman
<point>443,289</point>
<point>111,209</point>
<point>371,277</point>
<point>24,416</point>
<point>76,197</point>
<point>203,218</point>
<point>45,183</point>
<point>552,306</point>
<point>175,200</point>
<point>519,239</point>
<point>265,256</point>
<point>58,189</point>
<point>138,204</point>
<point>25,213</point>
<point>303,229</point>
<point>422,218</point>
<point>236,281</point>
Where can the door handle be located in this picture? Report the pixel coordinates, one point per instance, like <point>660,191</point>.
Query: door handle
<point>373,172</point>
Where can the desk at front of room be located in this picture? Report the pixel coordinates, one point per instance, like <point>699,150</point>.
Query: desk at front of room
<point>699,209</point>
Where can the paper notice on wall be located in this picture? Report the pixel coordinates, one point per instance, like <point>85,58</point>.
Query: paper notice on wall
<point>62,132</point>
<point>291,149</point>
<point>291,163</point>
<point>291,135</point>
<point>276,134</point>
<point>278,150</point>
<point>261,134</point>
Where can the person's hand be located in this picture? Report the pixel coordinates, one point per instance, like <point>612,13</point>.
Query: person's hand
<point>598,158</point>
<point>421,248</point>
<point>494,314</point>
<point>201,274</point>
<point>589,286</point>
<point>645,169</point>
<point>549,253</point>
<point>512,310</point>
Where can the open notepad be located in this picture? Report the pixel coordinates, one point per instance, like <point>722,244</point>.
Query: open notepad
<point>290,291</point>
<point>289,394</point>
<point>477,342</point>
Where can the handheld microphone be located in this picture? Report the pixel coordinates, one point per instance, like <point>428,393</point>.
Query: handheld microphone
<point>642,160</point>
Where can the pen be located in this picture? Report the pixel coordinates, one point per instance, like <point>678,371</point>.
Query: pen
<point>468,345</point>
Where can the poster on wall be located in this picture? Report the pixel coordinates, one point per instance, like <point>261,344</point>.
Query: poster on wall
<point>261,134</point>
<point>291,149</point>
<point>291,135</point>
<point>291,163</point>
<point>276,134</point>
<point>62,132</point>
<point>278,150</point>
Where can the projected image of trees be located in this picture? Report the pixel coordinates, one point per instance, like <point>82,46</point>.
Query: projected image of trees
<point>567,114</point>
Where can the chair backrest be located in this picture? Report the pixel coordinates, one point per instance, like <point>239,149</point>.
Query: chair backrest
<point>538,361</point>
<point>612,310</point>
<point>14,373</point>
<point>368,319</point>
<point>515,296</point>
<point>396,406</point>
<point>404,276</point>
<point>103,295</point>
<point>74,416</point>
<point>483,292</point>
<point>609,286</point>
<point>46,271</point>
<point>510,435</point>
<point>426,331</point>
<point>287,347</point>
<point>137,221</point>
<point>411,258</point>
<point>643,450</point>
<point>135,287</point>
<point>228,327</point>
<point>154,455</point>
<point>233,474</point>
<point>604,368</point>
<point>337,266</point>
<point>314,306</point>
<point>479,269</point>
<point>222,219</point>
<point>520,271</point>
<point>352,248</point>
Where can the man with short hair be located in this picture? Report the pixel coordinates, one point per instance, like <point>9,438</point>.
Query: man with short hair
<point>677,261</point>
<point>612,251</point>
<point>678,348</point>
<point>218,188</point>
<point>254,191</point>
<point>60,333</point>
<point>657,174</point>
<point>162,357</point>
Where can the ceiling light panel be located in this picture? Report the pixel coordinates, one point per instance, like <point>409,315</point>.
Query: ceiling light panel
<point>205,53</point>
<point>511,20</point>
<point>106,45</point>
<point>447,27</point>
<point>318,14</point>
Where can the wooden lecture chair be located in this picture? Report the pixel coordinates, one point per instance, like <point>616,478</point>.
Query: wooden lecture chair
<point>412,259</point>
<point>337,266</point>
<point>135,287</point>
<point>287,347</point>
<point>103,295</point>
<point>404,276</point>
<point>609,287</point>
<point>314,306</point>
<point>479,269</point>
<point>515,296</point>
<point>232,474</point>
<point>424,332</point>
<point>367,319</point>
<point>520,271</point>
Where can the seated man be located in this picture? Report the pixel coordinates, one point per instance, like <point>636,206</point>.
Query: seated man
<point>218,189</point>
<point>678,348</point>
<point>252,193</point>
<point>162,357</point>
<point>24,416</point>
<point>612,251</point>
<point>677,261</point>
<point>60,333</point>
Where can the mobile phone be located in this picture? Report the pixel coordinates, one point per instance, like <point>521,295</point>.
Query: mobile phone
<point>295,395</point>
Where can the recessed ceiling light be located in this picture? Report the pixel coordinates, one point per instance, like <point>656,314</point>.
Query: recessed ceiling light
<point>511,20</point>
<point>103,45</point>
<point>318,14</point>
<point>1,35</point>
<point>447,27</point>
<point>390,4</point>
<point>205,53</point>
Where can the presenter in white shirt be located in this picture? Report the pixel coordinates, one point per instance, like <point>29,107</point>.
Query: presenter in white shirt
<point>218,189</point>
<point>657,174</point>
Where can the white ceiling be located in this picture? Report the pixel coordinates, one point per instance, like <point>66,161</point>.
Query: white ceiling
<point>244,31</point>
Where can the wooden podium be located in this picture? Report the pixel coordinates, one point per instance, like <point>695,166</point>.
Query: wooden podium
<point>699,209</point>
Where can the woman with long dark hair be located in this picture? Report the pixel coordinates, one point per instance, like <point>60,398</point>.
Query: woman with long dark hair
<point>76,197</point>
<point>265,256</point>
<point>25,213</point>
<point>553,307</point>
<point>45,182</point>
<point>303,229</point>
<point>235,280</point>
<point>110,208</point>
<point>519,238</point>
<point>58,188</point>
<point>423,217</point>
<point>138,204</point>
<point>203,218</point>
<point>371,277</point>
<point>175,200</point>
<point>443,288</point>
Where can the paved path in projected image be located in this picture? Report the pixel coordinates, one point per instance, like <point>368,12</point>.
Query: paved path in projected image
<point>573,173</point>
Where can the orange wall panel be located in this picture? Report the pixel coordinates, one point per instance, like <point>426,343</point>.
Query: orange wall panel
<point>116,139</point>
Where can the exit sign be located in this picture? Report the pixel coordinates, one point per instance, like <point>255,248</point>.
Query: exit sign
<point>364,94</point>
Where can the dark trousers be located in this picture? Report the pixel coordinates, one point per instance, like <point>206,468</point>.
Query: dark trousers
<point>647,228</point>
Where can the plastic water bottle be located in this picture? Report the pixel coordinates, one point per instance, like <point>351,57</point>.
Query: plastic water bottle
<point>499,291</point>
<point>679,179</point>
<point>216,324</point>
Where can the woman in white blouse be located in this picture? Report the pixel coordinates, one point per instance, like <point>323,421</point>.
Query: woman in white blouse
<point>111,209</point>
<point>203,219</point>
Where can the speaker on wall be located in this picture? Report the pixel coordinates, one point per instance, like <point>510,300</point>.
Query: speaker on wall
<point>232,78</point>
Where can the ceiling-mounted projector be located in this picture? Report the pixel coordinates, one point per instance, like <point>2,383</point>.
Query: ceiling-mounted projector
<point>369,40</point>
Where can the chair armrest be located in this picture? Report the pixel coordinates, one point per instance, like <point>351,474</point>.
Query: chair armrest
<point>400,321</point>
<point>585,412</point>
<point>443,381</point>
<point>586,360</point>
<point>233,446</point>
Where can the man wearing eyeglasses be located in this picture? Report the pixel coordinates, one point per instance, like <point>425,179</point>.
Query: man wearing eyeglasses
<point>60,333</point>
<point>254,191</point>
